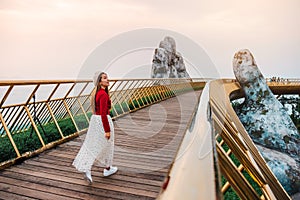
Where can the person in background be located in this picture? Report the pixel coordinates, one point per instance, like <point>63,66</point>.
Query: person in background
<point>99,140</point>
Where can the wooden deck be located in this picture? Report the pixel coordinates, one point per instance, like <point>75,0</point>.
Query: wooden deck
<point>146,144</point>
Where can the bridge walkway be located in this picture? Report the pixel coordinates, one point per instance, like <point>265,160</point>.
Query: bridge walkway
<point>146,144</point>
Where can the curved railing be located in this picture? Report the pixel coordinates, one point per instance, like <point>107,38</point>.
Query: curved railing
<point>37,115</point>
<point>239,160</point>
<point>237,154</point>
<point>217,158</point>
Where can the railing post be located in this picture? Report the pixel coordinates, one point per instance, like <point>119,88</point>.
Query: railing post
<point>6,95</point>
<point>54,119</point>
<point>70,114</point>
<point>34,125</point>
<point>81,107</point>
<point>9,136</point>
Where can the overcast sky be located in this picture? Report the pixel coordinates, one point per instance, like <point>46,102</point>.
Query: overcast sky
<point>42,39</point>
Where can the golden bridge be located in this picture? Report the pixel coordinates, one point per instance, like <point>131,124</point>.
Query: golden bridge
<point>175,139</point>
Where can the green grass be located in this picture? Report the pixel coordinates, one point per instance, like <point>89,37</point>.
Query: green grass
<point>28,140</point>
<point>7,151</point>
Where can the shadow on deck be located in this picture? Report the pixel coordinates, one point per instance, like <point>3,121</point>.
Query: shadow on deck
<point>146,144</point>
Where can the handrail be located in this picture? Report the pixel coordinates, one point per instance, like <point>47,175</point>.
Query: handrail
<point>34,114</point>
<point>231,159</point>
<point>236,151</point>
<point>192,173</point>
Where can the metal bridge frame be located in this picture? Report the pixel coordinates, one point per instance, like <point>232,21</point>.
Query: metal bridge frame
<point>129,95</point>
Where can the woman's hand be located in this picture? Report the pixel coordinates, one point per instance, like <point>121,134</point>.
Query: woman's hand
<point>107,135</point>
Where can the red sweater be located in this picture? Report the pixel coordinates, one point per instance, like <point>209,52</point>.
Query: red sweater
<point>102,107</point>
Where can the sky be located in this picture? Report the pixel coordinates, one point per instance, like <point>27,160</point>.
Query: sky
<point>42,39</point>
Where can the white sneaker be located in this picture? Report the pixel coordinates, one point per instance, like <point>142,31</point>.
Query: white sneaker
<point>109,172</point>
<point>88,176</point>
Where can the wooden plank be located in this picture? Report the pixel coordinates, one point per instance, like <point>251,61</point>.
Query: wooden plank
<point>100,184</point>
<point>11,196</point>
<point>41,187</point>
<point>84,189</point>
<point>117,179</point>
<point>31,192</point>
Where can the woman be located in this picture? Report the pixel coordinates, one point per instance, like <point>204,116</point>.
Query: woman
<point>99,140</point>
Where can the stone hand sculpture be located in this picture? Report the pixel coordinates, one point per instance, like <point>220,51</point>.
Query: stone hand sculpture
<point>267,122</point>
<point>167,62</point>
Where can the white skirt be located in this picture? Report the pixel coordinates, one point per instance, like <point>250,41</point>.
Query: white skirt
<point>95,146</point>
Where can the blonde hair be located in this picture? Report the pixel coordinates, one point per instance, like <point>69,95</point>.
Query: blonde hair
<point>95,90</point>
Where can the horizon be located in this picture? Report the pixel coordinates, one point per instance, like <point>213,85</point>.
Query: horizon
<point>44,40</point>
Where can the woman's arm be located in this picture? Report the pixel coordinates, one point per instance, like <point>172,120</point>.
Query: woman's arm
<point>103,100</point>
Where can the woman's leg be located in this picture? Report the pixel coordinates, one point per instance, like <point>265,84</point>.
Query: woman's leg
<point>89,150</point>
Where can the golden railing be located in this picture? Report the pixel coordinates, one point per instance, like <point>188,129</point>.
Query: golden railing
<point>217,159</point>
<point>37,115</point>
<point>239,160</point>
